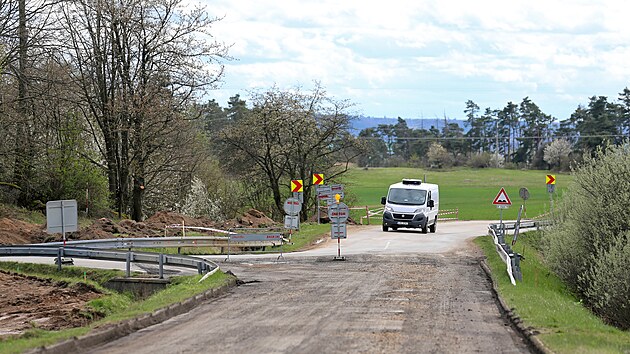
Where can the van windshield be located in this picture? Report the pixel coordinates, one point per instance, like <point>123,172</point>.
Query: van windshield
<point>406,196</point>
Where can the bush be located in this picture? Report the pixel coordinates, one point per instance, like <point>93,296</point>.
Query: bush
<point>589,248</point>
<point>480,160</point>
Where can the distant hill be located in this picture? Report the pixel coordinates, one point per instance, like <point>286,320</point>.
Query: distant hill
<point>361,123</point>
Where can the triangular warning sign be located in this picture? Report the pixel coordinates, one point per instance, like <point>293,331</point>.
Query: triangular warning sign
<point>502,198</point>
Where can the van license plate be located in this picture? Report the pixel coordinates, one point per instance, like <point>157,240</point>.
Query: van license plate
<point>402,223</point>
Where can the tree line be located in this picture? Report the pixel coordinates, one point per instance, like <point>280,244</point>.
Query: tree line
<point>516,135</point>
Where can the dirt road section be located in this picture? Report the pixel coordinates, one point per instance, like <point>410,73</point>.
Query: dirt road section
<point>27,302</point>
<point>367,304</point>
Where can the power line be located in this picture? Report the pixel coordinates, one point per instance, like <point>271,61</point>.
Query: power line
<point>494,138</point>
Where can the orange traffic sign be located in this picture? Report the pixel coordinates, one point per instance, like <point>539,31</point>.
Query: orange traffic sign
<point>296,185</point>
<point>502,198</point>
<point>551,179</point>
<point>318,178</point>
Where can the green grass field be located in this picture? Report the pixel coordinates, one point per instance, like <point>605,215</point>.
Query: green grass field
<point>469,190</point>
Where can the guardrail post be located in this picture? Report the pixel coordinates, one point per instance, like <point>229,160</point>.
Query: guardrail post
<point>161,265</point>
<point>128,265</point>
<point>515,260</point>
<point>59,255</point>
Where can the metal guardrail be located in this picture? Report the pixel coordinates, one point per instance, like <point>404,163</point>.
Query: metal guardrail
<point>163,242</point>
<point>202,265</point>
<point>512,259</point>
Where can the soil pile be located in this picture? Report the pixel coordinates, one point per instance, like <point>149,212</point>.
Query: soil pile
<point>27,302</point>
<point>13,231</point>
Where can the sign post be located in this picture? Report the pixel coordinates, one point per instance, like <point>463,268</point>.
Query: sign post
<point>524,193</point>
<point>338,214</point>
<point>292,207</point>
<point>551,188</point>
<point>61,216</point>
<point>322,192</point>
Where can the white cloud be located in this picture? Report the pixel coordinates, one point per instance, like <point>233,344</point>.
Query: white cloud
<point>384,56</point>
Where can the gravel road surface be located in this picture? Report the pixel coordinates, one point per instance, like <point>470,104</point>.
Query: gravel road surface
<point>396,292</point>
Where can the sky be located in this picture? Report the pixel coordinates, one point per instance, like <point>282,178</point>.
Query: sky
<point>426,58</point>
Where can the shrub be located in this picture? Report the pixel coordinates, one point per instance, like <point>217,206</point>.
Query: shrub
<point>588,248</point>
<point>480,160</point>
<point>438,156</point>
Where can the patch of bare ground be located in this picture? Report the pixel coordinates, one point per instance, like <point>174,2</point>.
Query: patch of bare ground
<point>28,302</point>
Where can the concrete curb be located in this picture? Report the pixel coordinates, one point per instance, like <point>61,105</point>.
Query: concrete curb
<point>112,332</point>
<point>527,332</point>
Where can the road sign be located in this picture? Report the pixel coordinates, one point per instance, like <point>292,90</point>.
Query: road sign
<point>297,185</point>
<point>336,188</point>
<point>502,198</point>
<point>323,189</point>
<point>61,216</point>
<point>551,188</point>
<point>318,178</point>
<point>273,236</point>
<point>551,179</point>
<point>524,193</point>
<point>338,231</point>
<point>338,213</point>
<point>291,222</point>
<point>292,206</point>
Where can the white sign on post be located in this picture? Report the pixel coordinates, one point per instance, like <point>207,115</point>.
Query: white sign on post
<point>338,231</point>
<point>61,216</point>
<point>291,222</point>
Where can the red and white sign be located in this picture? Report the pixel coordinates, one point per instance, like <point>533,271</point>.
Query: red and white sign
<point>502,198</point>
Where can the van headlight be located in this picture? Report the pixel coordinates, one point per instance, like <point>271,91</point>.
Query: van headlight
<point>418,211</point>
<point>388,208</point>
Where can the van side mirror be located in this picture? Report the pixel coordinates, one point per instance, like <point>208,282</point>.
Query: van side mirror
<point>383,200</point>
<point>431,203</point>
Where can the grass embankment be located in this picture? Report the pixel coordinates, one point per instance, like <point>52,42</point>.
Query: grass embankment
<point>469,190</point>
<point>112,305</point>
<point>543,302</point>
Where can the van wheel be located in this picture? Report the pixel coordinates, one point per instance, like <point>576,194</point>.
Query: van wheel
<point>424,229</point>
<point>385,228</point>
<point>434,226</point>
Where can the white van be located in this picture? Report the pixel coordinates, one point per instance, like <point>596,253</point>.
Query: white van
<point>411,204</point>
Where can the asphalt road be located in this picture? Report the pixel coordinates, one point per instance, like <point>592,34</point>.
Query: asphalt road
<point>396,292</point>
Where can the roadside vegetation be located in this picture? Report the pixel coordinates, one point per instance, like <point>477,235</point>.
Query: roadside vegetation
<point>589,247</point>
<point>543,301</point>
<point>111,307</point>
<point>575,289</point>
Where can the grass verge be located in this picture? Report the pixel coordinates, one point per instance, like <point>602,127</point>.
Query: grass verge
<point>114,306</point>
<point>543,302</point>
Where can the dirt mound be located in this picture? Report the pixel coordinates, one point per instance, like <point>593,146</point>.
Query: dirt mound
<point>251,219</point>
<point>42,303</point>
<point>14,232</point>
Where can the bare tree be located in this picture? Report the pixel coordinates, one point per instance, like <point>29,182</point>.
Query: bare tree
<point>291,135</point>
<point>138,65</point>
